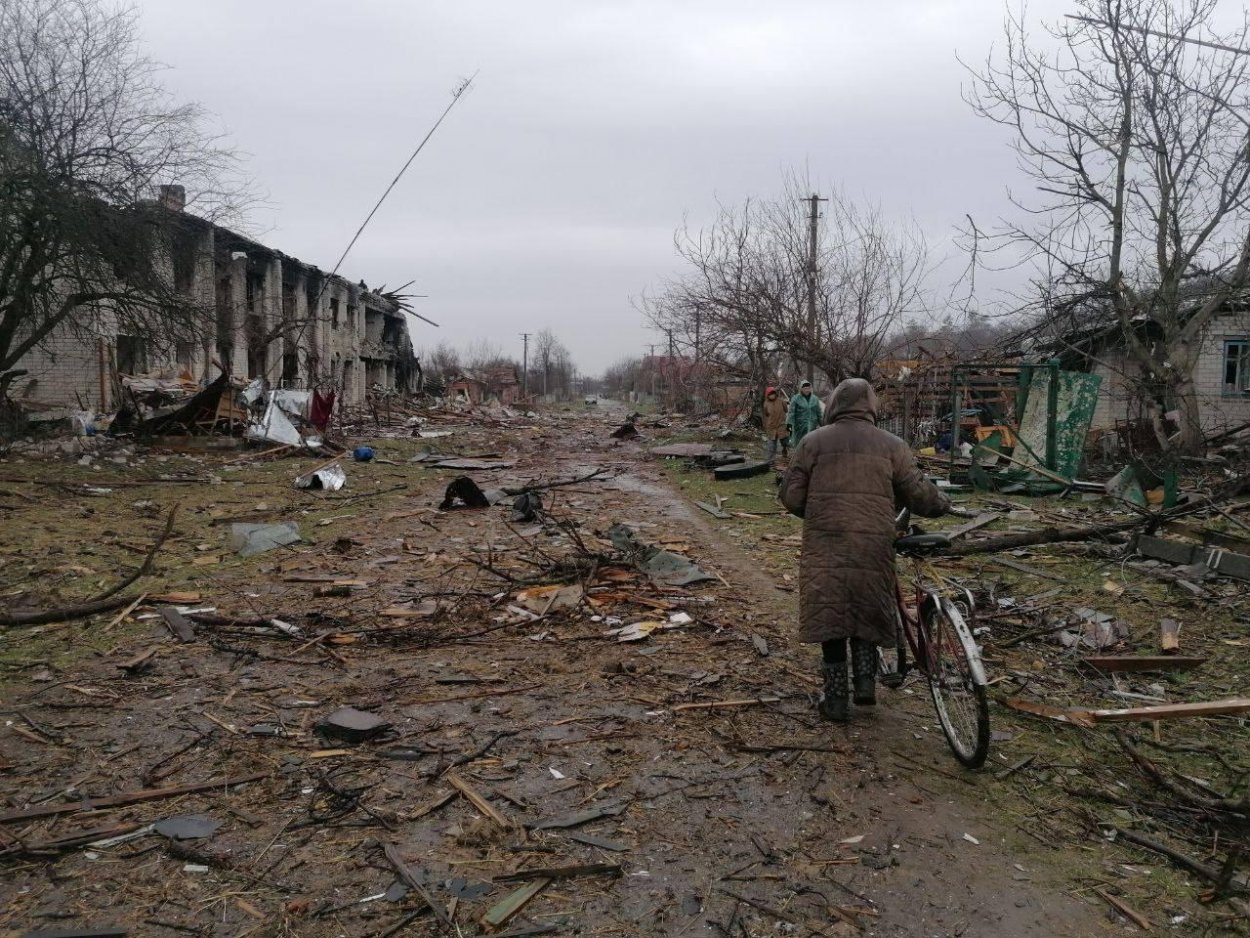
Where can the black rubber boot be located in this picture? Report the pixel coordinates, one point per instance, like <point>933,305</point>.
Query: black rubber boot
<point>864,667</point>
<point>833,705</point>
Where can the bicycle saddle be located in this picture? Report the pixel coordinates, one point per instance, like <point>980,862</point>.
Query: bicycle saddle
<point>919,543</point>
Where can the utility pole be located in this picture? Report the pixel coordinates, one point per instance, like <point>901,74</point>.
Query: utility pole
<point>525,365</point>
<point>813,220</point>
<point>698,323</point>
<point>652,372</point>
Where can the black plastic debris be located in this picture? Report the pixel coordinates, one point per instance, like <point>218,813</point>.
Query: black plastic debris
<point>626,431</point>
<point>265,729</point>
<point>467,890</point>
<point>352,725</point>
<point>463,492</point>
<point>527,506</point>
<point>742,470</point>
<point>187,827</point>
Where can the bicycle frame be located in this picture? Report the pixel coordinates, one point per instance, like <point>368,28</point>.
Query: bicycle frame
<point>913,642</point>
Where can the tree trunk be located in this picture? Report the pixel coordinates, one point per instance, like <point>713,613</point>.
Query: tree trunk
<point>1190,440</point>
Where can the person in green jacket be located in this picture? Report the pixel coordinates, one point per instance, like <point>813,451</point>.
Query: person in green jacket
<point>805,413</point>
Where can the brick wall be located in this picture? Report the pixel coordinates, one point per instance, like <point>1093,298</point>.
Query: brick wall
<point>1118,400</point>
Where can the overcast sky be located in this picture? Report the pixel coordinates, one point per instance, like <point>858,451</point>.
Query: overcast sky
<point>549,196</point>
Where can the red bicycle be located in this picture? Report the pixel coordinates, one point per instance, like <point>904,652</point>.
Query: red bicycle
<point>934,638</point>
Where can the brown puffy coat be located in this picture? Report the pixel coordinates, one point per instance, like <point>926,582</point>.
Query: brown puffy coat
<point>845,481</point>
<point>775,418</point>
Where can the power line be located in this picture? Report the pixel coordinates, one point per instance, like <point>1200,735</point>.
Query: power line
<point>525,365</point>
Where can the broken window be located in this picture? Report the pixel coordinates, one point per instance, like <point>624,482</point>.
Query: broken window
<point>184,263</point>
<point>184,353</point>
<point>288,302</point>
<point>132,357</point>
<point>255,287</point>
<point>334,312</point>
<point>290,369</point>
<point>1237,366</point>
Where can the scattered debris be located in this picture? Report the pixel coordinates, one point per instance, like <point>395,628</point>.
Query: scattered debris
<point>352,725</point>
<point>466,493</point>
<point>247,540</point>
<point>331,478</point>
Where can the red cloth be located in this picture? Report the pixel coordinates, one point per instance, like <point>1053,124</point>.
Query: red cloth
<point>322,406</point>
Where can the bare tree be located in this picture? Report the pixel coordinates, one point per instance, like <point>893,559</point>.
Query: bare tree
<point>871,277</point>
<point>743,299</point>
<point>1131,118</point>
<point>87,134</point>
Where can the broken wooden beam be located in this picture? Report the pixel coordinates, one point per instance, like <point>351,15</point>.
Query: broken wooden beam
<point>513,903</point>
<point>1169,636</point>
<point>178,624</point>
<point>1207,708</point>
<point>725,704</point>
<point>410,878</point>
<point>1075,717</point>
<point>475,798</point>
<point>979,521</point>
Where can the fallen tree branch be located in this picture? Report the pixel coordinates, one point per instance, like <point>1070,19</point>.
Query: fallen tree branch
<point>1189,863</point>
<point>65,613</point>
<point>146,566</point>
<point>1043,536</point>
<point>543,486</point>
<point>1234,805</point>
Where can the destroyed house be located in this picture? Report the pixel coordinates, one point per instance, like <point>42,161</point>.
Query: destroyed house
<point>266,315</point>
<point>1221,375</point>
<point>499,384</point>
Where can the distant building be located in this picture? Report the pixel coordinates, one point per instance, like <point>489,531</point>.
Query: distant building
<point>273,317</point>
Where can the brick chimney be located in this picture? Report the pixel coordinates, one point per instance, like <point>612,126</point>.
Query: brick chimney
<point>173,198</point>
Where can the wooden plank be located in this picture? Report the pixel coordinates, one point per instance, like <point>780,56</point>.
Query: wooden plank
<point>1169,636</point>
<point>1208,708</point>
<point>475,798</point>
<point>1142,662</point>
<point>513,903</point>
<point>132,797</point>
<point>714,511</point>
<point>178,624</point>
<point>1075,717</point>
<point>979,521</point>
<point>406,874</point>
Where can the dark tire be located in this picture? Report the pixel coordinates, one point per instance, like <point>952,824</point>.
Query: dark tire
<point>957,682</point>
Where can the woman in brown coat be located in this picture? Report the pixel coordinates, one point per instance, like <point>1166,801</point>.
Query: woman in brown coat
<point>775,423</point>
<point>847,481</point>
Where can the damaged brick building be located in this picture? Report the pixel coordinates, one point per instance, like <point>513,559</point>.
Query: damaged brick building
<point>272,316</point>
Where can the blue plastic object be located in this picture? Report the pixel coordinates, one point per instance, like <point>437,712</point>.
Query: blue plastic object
<point>362,453</point>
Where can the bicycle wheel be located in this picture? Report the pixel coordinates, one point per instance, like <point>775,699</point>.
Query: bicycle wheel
<point>957,682</point>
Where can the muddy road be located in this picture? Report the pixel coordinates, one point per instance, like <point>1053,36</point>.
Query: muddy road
<point>529,751</point>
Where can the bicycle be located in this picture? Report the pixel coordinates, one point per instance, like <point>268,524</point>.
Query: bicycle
<point>934,638</point>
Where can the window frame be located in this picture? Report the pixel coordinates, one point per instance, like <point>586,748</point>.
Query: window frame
<point>1240,385</point>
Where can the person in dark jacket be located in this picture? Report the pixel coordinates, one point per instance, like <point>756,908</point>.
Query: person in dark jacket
<point>847,481</point>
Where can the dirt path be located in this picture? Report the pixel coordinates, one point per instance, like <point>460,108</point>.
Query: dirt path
<point>748,821</point>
